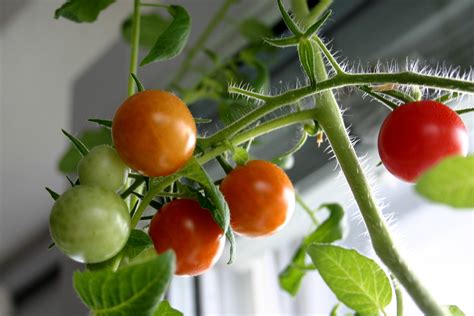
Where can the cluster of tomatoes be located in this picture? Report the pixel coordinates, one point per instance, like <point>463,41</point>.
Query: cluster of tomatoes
<point>154,133</point>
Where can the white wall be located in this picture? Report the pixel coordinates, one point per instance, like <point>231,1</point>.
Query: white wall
<point>40,57</point>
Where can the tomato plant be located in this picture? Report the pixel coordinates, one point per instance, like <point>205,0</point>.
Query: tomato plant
<point>261,198</point>
<point>418,135</point>
<point>154,132</point>
<point>190,231</point>
<point>103,167</point>
<point>155,135</point>
<point>90,224</point>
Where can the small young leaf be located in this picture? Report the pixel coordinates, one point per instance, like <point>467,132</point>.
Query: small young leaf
<point>357,281</point>
<point>103,123</point>
<point>132,290</point>
<point>53,194</point>
<point>165,309</point>
<point>254,30</point>
<point>173,39</point>
<point>451,182</point>
<point>220,212</point>
<point>77,143</point>
<point>90,138</point>
<point>82,10</point>
<point>240,156</point>
<point>330,230</point>
<point>151,26</point>
<point>453,310</point>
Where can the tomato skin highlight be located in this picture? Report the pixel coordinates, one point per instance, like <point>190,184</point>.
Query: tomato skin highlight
<point>89,224</point>
<point>260,196</point>
<point>418,135</point>
<point>190,231</point>
<point>154,133</point>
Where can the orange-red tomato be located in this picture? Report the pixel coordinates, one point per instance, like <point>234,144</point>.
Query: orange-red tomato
<point>260,196</point>
<point>154,132</point>
<point>190,231</point>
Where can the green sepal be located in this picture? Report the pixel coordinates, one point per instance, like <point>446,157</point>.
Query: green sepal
<point>76,142</point>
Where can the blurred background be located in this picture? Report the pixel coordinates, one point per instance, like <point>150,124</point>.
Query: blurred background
<point>56,74</point>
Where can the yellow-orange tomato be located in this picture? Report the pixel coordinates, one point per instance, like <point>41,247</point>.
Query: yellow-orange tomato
<point>190,231</point>
<point>154,132</point>
<point>260,196</point>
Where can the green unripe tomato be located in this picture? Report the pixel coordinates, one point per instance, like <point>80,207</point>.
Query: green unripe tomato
<point>103,167</point>
<point>90,224</point>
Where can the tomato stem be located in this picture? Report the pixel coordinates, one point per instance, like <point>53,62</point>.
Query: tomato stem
<point>306,208</point>
<point>398,295</point>
<point>329,116</point>
<point>135,46</point>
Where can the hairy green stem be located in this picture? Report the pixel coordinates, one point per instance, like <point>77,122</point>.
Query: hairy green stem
<point>201,41</point>
<point>329,116</point>
<point>306,208</point>
<point>158,185</point>
<point>272,103</point>
<point>135,46</point>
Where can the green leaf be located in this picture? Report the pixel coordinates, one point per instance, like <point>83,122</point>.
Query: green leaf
<point>453,310</point>
<point>290,278</point>
<point>165,309</point>
<point>82,10</point>
<point>137,242</point>
<point>132,290</point>
<point>330,230</point>
<point>240,156</point>
<point>254,30</point>
<point>151,26</point>
<point>357,281</point>
<point>89,138</point>
<point>451,182</point>
<point>220,212</point>
<point>173,39</point>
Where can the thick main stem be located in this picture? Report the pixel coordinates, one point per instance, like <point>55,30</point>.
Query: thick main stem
<point>330,119</point>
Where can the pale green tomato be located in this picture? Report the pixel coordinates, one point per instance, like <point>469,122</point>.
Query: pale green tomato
<point>103,167</point>
<point>90,224</point>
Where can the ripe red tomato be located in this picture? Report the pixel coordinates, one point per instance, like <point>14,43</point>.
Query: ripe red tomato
<point>190,231</point>
<point>418,135</point>
<point>260,196</point>
<point>154,132</point>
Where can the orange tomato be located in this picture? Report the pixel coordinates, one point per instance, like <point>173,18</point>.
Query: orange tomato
<point>154,133</point>
<point>190,231</point>
<point>260,196</point>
